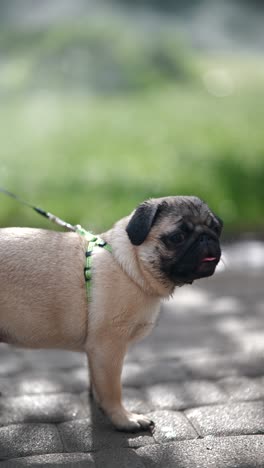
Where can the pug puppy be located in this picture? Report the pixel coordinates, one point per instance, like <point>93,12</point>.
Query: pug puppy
<point>164,243</point>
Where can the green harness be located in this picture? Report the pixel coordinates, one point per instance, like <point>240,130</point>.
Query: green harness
<point>93,241</point>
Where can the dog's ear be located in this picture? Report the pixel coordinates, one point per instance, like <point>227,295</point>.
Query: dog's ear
<point>141,222</point>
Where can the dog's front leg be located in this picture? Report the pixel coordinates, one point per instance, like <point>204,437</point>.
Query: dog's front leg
<point>105,361</point>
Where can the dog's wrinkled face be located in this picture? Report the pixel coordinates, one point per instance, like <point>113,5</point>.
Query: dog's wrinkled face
<point>177,238</point>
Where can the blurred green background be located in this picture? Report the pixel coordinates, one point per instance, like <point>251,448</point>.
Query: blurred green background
<point>104,104</point>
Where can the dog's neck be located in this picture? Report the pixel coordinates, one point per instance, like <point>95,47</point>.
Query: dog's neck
<point>126,256</point>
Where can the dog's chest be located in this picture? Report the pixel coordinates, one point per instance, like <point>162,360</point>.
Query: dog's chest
<point>145,320</point>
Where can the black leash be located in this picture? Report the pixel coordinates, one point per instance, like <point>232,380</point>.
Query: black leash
<point>42,212</point>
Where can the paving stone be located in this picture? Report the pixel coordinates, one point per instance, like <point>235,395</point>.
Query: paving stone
<point>118,458</point>
<point>243,388</point>
<point>43,359</point>
<point>251,363</point>
<point>42,382</point>
<point>136,400</point>
<point>21,440</point>
<point>39,359</point>
<point>232,418</point>
<point>171,425</point>
<point>11,363</point>
<point>150,373</point>
<point>82,436</point>
<point>223,452</point>
<point>65,460</point>
<point>187,394</point>
<point>42,408</point>
<point>28,384</point>
<point>166,396</point>
<point>222,364</point>
<point>203,392</point>
<point>207,367</point>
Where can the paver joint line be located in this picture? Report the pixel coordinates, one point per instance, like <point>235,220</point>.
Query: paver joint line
<point>195,428</point>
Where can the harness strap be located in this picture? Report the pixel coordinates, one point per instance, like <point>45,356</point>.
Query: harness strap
<point>93,241</point>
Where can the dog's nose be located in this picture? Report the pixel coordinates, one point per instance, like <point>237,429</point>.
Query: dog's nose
<point>204,239</point>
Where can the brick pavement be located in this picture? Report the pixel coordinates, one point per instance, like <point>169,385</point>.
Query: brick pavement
<point>199,376</point>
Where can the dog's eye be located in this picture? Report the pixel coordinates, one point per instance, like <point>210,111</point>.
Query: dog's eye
<point>216,225</point>
<point>216,228</point>
<point>177,238</point>
<point>173,239</point>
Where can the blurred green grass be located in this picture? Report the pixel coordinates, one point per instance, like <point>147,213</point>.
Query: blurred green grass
<point>97,117</point>
<point>91,159</point>
<point>99,56</point>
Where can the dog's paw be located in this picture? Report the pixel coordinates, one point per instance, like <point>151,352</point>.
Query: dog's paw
<point>131,422</point>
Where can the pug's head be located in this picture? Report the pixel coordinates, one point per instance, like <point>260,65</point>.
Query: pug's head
<point>177,238</point>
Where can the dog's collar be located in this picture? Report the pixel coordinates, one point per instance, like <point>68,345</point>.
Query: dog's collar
<point>93,241</point>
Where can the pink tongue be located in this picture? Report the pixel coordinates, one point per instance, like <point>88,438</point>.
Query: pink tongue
<point>209,259</point>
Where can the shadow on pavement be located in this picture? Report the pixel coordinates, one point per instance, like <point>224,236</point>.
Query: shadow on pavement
<point>210,338</point>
